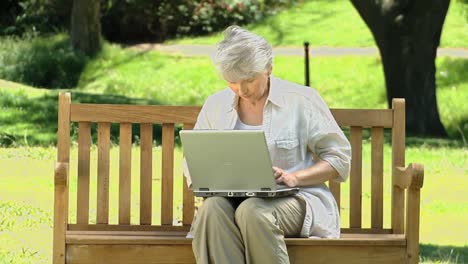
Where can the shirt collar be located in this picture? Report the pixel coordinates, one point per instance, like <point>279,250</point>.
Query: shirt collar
<point>274,95</point>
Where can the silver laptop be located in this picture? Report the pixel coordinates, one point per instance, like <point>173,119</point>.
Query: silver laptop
<point>230,163</point>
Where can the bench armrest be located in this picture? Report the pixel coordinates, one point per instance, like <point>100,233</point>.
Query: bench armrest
<point>411,177</point>
<point>61,174</point>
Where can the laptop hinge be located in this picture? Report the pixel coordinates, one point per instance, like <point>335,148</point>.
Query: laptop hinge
<point>265,189</point>
<point>204,189</point>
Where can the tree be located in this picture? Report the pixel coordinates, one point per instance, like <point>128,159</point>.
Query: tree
<point>407,33</point>
<point>86,26</point>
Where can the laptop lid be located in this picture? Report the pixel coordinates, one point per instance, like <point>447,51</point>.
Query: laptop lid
<point>228,160</point>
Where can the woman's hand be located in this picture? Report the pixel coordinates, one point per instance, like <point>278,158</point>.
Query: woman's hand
<point>283,177</point>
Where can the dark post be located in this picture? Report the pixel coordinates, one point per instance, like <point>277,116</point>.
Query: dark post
<point>306,49</point>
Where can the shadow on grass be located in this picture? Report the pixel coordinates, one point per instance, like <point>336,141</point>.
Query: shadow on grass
<point>39,115</point>
<point>444,254</point>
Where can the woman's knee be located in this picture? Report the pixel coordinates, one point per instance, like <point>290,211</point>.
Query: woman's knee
<point>215,207</point>
<point>253,212</point>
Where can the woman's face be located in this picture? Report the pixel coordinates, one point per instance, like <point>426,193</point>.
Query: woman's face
<point>252,89</point>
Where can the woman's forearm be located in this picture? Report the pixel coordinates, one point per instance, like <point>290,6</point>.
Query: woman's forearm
<point>318,173</point>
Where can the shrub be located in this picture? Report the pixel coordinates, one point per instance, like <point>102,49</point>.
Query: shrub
<point>137,20</point>
<point>41,16</point>
<point>48,62</point>
<point>149,20</point>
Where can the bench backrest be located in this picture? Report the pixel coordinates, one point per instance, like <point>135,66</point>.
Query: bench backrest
<point>169,116</point>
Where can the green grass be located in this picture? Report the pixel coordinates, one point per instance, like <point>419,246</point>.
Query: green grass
<point>26,199</point>
<point>334,23</point>
<point>117,75</point>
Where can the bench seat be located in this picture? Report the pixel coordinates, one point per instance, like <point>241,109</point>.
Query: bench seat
<point>177,238</point>
<point>173,247</point>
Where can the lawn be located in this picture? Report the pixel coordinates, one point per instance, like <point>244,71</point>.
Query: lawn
<point>334,24</point>
<point>26,200</point>
<point>126,76</point>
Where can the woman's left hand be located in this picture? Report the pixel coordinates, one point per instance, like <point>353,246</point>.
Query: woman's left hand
<point>283,177</point>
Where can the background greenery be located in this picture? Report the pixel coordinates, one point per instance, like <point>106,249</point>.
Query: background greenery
<point>123,75</point>
<point>138,20</point>
<point>334,23</point>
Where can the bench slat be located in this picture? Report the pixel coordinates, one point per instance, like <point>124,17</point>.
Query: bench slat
<point>345,232</point>
<point>182,253</point>
<point>115,113</point>
<point>125,170</point>
<point>146,172</point>
<point>355,200</point>
<point>345,239</point>
<point>377,140</point>
<point>188,198</point>
<point>84,145</point>
<point>61,190</point>
<point>363,117</point>
<point>102,216</point>
<point>107,227</point>
<point>167,174</point>
<point>398,160</point>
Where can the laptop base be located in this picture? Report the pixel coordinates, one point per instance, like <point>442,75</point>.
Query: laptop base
<point>261,194</point>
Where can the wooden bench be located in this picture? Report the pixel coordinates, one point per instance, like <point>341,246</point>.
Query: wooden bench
<point>148,242</point>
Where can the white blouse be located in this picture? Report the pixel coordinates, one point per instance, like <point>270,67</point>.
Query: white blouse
<point>296,123</point>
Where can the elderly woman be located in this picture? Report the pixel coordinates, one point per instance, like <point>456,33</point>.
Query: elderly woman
<point>297,124</point>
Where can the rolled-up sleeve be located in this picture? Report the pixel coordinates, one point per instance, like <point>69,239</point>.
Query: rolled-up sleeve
<point>327,140</point>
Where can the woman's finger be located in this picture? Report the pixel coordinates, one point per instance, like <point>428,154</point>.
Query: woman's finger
<point>279,180</point>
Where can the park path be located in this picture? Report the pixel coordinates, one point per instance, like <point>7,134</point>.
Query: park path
<point>206,50</point>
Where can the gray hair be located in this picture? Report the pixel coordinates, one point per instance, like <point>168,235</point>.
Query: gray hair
<point>242,55</point>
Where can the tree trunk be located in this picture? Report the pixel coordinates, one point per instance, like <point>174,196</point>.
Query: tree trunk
<point>408,34</point>
<point>86,26</point>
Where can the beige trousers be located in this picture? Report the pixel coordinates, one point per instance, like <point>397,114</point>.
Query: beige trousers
<point>252,230</point>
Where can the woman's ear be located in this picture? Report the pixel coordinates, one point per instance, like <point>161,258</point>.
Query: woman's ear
<point>270,69</point>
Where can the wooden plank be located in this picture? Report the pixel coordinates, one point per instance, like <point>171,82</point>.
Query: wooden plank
<point>363,117</point>
<point>412,223</point>
<point>114,113</point>
<point>366,231</point>
<point>355,200</point>
<point>151,228</point>
<point>63,133</point>
<point>398,160</point>
<point>335,189</point>
<point>129,254</point>
<point>377,141</point>
<point>348,254</point>
<point>84,146</point>
<point>298,254</point>
<point>102,216</point>
<point>167,174</point>
<point>413,212</point>
<point>130,233</point>
<point>125,170</point>
<point>128,239</point>
<point>106,227</point>
<point>61,179</point>
<point>146,173</point>
<point>189,199</point>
